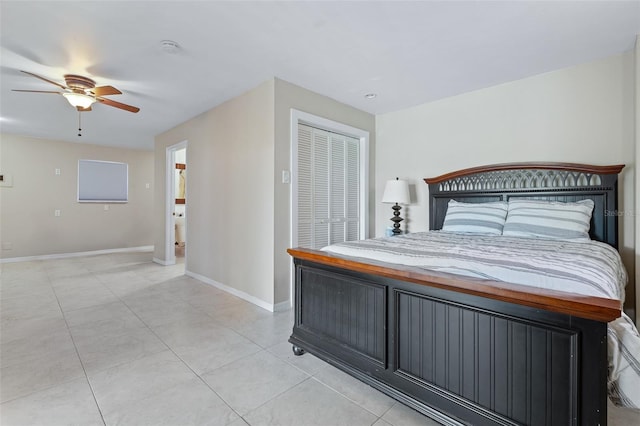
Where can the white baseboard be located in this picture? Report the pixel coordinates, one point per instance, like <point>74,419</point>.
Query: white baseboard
<point>163,262</point>
<point>283,306</point>
<point>76,254</point>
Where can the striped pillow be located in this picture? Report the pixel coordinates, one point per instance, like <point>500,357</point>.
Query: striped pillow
<point>485,218</point>
<point>549,219</point>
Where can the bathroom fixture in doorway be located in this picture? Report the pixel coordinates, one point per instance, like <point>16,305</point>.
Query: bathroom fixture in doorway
<point>176,211</point>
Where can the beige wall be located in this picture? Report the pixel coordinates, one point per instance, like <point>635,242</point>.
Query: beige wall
<point>583,114</point>
<point>288,96</point>
<point>230,194</point>
<point>238,209</point>
<point>27,208</point>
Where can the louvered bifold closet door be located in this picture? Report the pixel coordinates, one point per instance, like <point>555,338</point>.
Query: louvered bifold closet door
<point>321,219</point>
<point>305,188</point>
<point>337,190</point>
<point>352,189</point>
<point>328,174</point>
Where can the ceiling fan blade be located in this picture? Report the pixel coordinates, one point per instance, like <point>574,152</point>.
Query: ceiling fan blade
<point>105,90</point>
<point>118,105</point>
<point>44,79</point>
<point>36,91</point>
<point>80,109</point>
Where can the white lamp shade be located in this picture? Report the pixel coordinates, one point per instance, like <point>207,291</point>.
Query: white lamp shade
<point>79,99</point>
<point>396,191</point>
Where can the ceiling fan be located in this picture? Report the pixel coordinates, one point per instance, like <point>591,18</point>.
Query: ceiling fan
<point>81,92</point>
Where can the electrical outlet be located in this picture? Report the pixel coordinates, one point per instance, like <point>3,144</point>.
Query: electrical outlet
<point>147,185</point>
<point>106,207</point>
<point>57,171</point>
<point>56,213</point>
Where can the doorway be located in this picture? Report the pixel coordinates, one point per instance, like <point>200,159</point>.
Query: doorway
<point>176,204</point>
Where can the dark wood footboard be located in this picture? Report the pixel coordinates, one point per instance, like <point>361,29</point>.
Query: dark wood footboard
<point>457,356</point>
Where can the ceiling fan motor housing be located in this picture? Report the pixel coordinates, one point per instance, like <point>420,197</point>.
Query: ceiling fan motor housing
<point>79,82</point>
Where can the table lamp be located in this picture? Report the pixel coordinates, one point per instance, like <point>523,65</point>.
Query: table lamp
<point>396,192</point>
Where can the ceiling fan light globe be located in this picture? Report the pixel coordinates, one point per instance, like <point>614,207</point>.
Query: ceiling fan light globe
<point>79,99</point>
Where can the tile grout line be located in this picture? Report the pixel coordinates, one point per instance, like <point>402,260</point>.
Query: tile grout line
<point>86,377</point>
<point>277,395</point>
<point>266,349</point>
<point>387,410</point>
<point>94,274</point>
<point>178,356</point>
<point>183,361</point>
<point>52,385</point>
<point>351,400</point>
<point>262,349</point>
<point>99,275</point>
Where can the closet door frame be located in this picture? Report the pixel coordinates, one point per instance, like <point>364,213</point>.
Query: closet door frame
<point>301,117</point>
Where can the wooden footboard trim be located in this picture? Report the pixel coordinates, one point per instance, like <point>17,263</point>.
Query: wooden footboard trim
<point>588,307</point>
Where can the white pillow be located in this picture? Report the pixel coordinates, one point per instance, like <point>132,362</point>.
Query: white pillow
<point>485,218</point>
<point>549,219</point>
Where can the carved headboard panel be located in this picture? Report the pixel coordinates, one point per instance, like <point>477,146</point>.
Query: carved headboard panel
<point>542,181</point>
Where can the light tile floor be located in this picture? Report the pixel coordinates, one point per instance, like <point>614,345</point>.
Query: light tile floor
<point>118,340</point>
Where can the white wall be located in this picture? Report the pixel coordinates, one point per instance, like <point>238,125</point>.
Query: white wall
<point>583,114</point>
<point>27,208</point>
<point>230,198</point>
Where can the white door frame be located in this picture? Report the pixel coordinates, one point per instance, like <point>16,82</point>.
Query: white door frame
<point>170,204</point>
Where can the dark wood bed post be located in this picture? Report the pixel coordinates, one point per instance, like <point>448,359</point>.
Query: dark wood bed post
<point>465,351</point>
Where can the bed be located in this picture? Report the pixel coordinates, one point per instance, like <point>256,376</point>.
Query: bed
<point>463,349</point>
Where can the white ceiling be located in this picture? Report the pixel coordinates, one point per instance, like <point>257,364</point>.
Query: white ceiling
<point>407,52</point>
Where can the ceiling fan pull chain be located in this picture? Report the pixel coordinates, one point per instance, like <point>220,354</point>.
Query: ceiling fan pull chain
<point>79,124</point>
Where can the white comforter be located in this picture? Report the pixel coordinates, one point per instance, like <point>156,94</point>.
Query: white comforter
<point>585,267</point>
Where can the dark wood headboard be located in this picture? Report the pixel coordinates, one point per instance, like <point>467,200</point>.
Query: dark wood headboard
<point>542,181</point>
